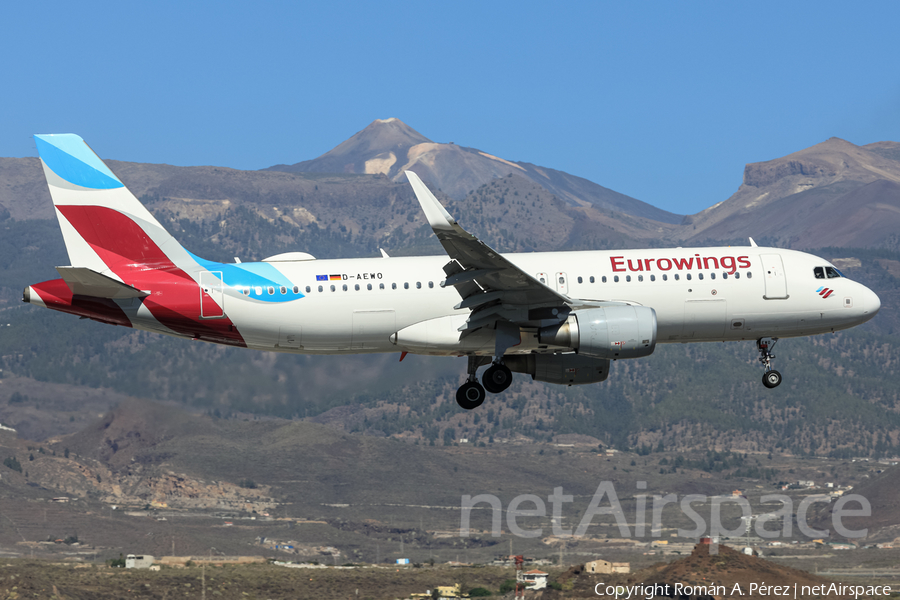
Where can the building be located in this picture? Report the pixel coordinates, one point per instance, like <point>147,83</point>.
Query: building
<point>449,592</point>
<point>598,566</point>
<point>605,567</point>
<point>142,561</point>
<point>535,580</point>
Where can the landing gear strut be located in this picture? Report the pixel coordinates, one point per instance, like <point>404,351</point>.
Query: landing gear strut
<point>471,394</point>
<point>771,378</point>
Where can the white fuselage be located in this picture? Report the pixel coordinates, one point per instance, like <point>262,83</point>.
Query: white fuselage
<point>722,294</point>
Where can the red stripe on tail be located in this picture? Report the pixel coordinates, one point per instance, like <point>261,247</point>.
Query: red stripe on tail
<point>130,253</point>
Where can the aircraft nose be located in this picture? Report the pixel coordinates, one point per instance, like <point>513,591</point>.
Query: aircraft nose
<point>871,303</point>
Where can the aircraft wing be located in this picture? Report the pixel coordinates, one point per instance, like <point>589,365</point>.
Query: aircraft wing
<point>490,285</point>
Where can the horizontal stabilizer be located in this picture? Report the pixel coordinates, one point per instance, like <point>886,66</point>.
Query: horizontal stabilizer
<point>87,282</point>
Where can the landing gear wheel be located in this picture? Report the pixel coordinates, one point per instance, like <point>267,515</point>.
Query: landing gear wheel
<point>772,379</point>
<point>470,395</point>
<point>497,378</point>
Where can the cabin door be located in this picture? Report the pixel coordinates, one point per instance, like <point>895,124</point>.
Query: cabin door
<point>776,282</point>
<point>212,295</point>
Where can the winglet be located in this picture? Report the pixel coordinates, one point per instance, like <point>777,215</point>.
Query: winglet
<point>753,244</point>
<point>437,215</point>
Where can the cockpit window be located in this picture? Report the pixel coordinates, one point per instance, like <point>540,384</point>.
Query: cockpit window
<point>820,272</point>
<point>831,272</point>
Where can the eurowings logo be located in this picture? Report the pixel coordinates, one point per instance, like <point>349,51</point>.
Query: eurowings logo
<point>824,292</point>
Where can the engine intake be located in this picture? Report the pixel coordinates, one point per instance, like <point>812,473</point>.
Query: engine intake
<point>610,332</point>
<point>564,369</point>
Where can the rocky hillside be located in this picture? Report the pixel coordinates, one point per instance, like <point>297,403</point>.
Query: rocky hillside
<point>831,194</point>
<point>389,147</point>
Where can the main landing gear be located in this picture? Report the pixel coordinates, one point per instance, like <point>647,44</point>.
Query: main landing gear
<point>771,378</point>
<point>496,379</point>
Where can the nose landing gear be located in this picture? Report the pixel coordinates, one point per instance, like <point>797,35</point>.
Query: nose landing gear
<point>771,378</point>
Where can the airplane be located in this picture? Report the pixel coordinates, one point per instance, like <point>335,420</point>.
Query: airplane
<point>560,317</point>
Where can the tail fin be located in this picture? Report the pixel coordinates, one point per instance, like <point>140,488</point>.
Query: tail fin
<point>105,228</point>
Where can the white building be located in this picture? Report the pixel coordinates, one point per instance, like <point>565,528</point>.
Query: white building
<point>535,580</point>
<point>142,561</point>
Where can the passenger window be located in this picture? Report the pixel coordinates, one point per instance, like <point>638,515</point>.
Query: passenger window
<point>393,286</point>
<point>640,277</point>
<point>418,285</point>
<point>737,275</point>
<point>688,276</point>
<point>369,287</point>
<point>616,279</point>
<point>283,290</point>
<point>712,275</point>
<point>332,288</point>
<point>749,275</point>
<point>724,275</point>
<point>380,286</point>
<point>603,279</point>
<point>665,277</point>
<point>406,286</point>
<point>580,280</point>
<point>430,285</point>
<point>653,278</point>
<point>297,289</point>
<point>562,279</point>
<point>271,290</point>
<point>308,289</point>
<point>356,287</point>
<point>628,279</point>
<point>544,281</point>
<point>700,276</point>
<point>831,272</point>
<point>246,291</point>
<point>345,287</point>
<point>320,289</point>
<point>677,276</point>
<point>820,272</point>
<point>592,279</point>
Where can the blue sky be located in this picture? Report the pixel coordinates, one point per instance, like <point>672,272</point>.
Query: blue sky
<point>664,101</point>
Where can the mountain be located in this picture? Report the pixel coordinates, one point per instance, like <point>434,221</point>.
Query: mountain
<point>832,194</point>
<point>21,195</point>
<point>389,147</point>
<point>883,521</point>
<point>727,568</point>
<point>372,151</point>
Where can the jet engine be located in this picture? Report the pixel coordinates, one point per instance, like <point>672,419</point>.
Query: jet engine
<point>564,369</point>
<point>617,331</point>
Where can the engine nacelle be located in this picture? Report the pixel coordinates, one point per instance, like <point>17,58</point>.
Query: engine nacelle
<point>609,332</point>
<point>563,369</point>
